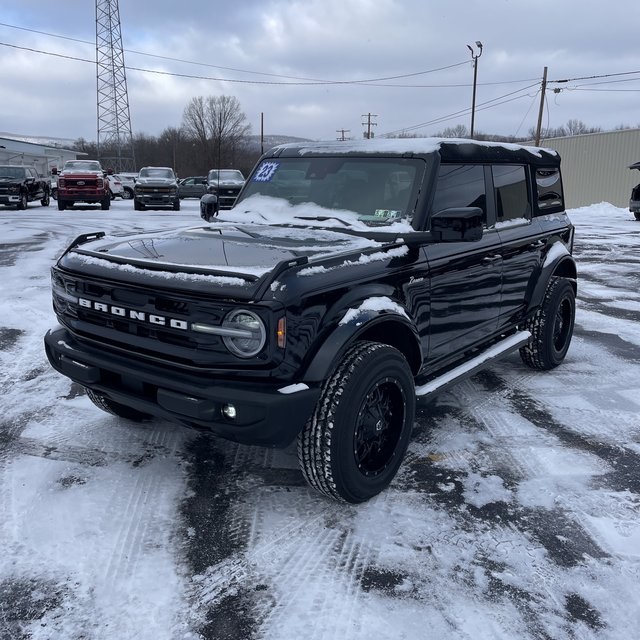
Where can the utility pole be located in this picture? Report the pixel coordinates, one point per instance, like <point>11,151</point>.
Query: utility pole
<point>342,132</point>
<point>475,81</point>
<point>543,90</point>
<point>368,134</point>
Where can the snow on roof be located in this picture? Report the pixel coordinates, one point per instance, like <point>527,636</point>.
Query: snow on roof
<point>400,145</point>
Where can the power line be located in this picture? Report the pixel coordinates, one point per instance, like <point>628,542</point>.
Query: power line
<point>481,107</point>
<point>204,64</point>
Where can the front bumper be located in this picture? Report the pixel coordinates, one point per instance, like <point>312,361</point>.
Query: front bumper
<point>76,195</point>
<point>156,199</point>
<point>264,415</point>
<point>9,199</point>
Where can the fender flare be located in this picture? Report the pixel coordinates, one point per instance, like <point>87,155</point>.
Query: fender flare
<point>558,262</point>
<point>356,324</point>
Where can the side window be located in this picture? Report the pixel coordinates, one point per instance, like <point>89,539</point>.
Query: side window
<point>549,194</point>
<point>460,185</point>
<point>510,192</point>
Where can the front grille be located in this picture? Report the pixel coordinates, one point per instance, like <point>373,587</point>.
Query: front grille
<point>84,183</point>
<point>129,318</point>
<point>153,190</point>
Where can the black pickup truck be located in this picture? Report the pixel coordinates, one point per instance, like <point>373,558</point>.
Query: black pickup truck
<point>348,279</point>
<point>20,185</point>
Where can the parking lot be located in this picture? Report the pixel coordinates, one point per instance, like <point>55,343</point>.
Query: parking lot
<point>514,515</point>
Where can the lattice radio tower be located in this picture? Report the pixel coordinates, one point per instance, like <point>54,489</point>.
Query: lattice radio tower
<point>115,142</point>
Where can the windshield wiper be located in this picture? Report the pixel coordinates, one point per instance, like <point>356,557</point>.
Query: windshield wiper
<point>322,219</point>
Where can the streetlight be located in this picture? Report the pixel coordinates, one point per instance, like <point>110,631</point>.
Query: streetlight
<point>475,77</point>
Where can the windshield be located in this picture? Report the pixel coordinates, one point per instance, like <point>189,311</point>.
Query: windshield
<point>82,165</point>
<point>224,174</point>
<point>373,191</point>
<point>156,173</point>
<point>12,172</point>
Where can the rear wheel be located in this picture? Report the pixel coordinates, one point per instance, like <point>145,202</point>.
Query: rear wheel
<point>551,327</point>
<point>354,443</point>
<point>127,193</point>
<point>115,408</point>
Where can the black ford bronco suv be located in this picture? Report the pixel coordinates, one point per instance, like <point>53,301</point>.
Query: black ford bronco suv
<point>349,278</point>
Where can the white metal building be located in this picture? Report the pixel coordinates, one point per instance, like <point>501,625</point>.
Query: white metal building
<point>40,156</point>
<point>595,166</point>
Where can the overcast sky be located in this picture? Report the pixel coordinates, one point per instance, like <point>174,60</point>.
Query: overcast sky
<point>303,62</point>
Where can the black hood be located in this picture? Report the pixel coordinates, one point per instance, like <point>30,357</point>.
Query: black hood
<point>233,256</point>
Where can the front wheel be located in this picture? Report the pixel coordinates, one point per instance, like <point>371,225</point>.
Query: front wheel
<point>105,204</point>
<point>115,408</point>
<point>45,200</point>
<point>23,202</point>
<point>637,215</point>
<point>354,443</point>
<point>551,327</point>
<point>62,205</point>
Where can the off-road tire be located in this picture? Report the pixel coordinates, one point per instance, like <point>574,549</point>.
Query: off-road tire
<point>551,327</point>
<point>115,408</point>
<point>637,215</point>
<point>46,200</point>
<point>105,204</point>
<point>62,205</point>
<point>176,205</point>
<point>138,206</point>
<point>354,443</point>
<point>23,203</point>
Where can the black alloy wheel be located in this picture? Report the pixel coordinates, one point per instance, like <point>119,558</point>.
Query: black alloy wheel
<point>353,444</point>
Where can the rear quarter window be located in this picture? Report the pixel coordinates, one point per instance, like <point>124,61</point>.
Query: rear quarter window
<point>549,196</point>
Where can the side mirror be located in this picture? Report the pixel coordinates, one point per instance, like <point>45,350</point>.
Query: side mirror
<point>459,224</point>
<point>208,207</point>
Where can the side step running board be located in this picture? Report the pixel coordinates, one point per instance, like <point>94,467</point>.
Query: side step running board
<point>496,351</point>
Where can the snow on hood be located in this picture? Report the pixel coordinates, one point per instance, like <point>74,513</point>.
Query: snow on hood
<point>222,250</point>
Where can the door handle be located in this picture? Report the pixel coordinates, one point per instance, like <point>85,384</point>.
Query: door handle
<point>491,259</point>
<point>537,244</point>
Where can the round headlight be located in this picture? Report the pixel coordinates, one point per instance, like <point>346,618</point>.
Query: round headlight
<point>245,334</point>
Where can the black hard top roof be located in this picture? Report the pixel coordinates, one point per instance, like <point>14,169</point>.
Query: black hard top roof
<point>449,150</point>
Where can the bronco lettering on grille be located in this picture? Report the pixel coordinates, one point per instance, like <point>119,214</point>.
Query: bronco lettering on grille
<point>132,314</point>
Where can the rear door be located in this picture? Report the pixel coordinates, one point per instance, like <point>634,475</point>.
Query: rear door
<point>521,236</point>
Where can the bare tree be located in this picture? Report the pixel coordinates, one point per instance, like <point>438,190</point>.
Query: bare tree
<point>459,131</point>
<point>218,125</point>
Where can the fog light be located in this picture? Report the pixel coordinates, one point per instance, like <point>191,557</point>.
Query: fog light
<point>229,411</point>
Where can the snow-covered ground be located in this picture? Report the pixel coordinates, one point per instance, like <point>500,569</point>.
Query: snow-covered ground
<point>514,516</point>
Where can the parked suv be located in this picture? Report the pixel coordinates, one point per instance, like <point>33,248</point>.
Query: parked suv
<point>223,187</point>
<point>20,185</point>
<point>348,279</point>
<point>156,187</point>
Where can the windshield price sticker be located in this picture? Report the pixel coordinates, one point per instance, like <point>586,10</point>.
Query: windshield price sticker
<point>266,171</point>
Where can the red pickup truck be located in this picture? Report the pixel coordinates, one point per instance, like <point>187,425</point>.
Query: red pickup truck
<point>83,181</point>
